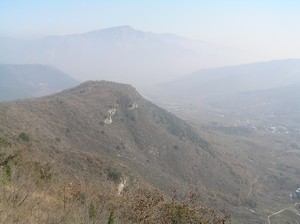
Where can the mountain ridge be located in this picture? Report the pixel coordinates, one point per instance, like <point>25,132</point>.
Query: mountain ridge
<point>31,80</point>
<point>121,54</point>
<point>239,78</point>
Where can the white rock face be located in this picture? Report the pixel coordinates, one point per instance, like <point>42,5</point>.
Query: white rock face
<point>111,113</point>
<point>134,106</point>
<point>108,120</point>
<point>122,185</point>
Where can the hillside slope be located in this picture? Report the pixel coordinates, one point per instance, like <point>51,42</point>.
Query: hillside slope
<point>31,80</point>
<point>112,122</point>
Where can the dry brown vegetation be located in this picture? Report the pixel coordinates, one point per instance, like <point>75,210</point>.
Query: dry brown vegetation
<point>62,163</point>
<point>33,191</point>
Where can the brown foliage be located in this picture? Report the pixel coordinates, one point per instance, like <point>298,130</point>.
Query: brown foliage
<point>150,207</point>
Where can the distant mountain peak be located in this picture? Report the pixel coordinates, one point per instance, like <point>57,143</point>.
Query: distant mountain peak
<point>116,29</point>
<point>125,28</point>
<point>121,53</point>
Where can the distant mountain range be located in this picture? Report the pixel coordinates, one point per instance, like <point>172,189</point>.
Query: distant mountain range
<point>31,80</point>
<point>120,54</point>
<point>255,89</point>
<point>235,79</point>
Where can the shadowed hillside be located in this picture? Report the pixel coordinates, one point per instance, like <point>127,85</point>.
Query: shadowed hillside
<point>31,80</point>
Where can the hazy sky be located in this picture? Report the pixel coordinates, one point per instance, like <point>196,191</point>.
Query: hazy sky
<point>271,27</point>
